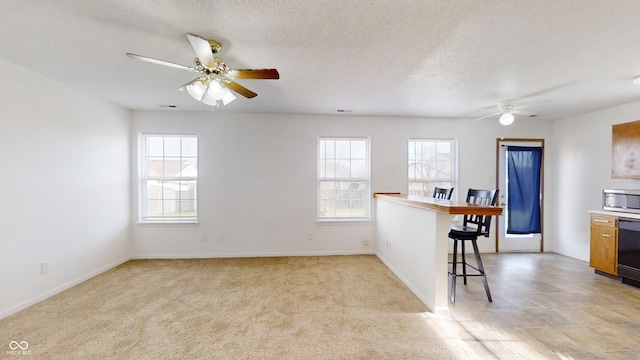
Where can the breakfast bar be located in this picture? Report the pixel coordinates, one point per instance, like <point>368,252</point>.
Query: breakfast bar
<point>412,241</point>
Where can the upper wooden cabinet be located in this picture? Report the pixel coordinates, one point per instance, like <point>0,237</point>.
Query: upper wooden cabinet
<point>625,152</point>
<point>604,243</point>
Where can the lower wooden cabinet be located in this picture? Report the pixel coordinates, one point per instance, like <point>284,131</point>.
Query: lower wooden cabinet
<point>604,243</point>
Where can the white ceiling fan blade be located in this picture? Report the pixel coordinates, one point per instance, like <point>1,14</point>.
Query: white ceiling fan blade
<point>161,62</point>
<point>202,49</point>
<point>525,113</point>
<point>488,116</point>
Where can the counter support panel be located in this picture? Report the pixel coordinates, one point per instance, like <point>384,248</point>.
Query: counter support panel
<point>412,241</point>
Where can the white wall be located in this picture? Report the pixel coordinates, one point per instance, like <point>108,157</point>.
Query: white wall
<point>257,178</point>
<point>582,169</point>
<point>65,186</point>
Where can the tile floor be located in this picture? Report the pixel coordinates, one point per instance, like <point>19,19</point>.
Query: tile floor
<point>546,306</point>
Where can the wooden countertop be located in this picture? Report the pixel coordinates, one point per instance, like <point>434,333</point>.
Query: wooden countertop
<point>444,206</point>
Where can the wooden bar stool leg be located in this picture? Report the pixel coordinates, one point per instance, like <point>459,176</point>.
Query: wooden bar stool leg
<point>481,268</point>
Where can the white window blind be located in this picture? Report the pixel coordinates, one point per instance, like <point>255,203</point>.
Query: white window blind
<point>431,163</point>
<point>169,178</point>
<point>343,178</point>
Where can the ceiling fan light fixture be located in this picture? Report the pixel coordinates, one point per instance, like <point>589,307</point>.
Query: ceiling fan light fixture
<point>215,90</point>
<point>506,119</point>
<point>196,88</point>
<point>208,100</point>
<point>215,93</point>
<point>228,97</point>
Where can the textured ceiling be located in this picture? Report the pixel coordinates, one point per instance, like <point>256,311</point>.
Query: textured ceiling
<point>423,58</point>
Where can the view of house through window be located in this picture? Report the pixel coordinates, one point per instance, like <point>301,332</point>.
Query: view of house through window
<point>169,169</point>
<point>432,162</point>
<point>343,178</point>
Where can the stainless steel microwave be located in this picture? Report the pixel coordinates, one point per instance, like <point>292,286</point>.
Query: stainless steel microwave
<point>621,200</point>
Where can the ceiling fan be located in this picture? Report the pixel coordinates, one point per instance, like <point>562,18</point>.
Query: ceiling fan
<point>507,109</point>
<point>215,78</point>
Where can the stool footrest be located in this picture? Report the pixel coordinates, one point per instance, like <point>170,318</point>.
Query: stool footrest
<point>465,275</point>
<point>481,273</point>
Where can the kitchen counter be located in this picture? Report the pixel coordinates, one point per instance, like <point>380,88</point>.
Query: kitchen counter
<point>412,241</point>
<point>618,214</point>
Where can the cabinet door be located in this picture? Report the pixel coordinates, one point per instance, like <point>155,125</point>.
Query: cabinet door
<point>604,250</point>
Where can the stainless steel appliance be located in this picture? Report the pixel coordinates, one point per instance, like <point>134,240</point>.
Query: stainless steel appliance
<point>629,251</point>
<point>627,201</point>
<point>621,200</point>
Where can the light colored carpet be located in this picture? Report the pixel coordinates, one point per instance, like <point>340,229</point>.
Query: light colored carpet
<point>333,307</point>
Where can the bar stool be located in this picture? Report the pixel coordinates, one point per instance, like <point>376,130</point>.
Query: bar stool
<point>442,193</point>
<point>472,227</point>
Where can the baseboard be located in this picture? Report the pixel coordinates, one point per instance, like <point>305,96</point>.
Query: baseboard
<point>559,252</point>
<point>25,304</point>
<point>428,304</point>
<point>249,254</point>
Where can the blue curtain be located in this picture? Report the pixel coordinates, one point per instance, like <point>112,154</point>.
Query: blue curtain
<point>523,171</point>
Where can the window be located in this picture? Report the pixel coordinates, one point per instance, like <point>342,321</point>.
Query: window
<point>343,178</point>
<point>169,178</point>
<point>432,162</point>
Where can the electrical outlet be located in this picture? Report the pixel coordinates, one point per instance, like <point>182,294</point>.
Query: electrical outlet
<point>205,237</point>
<point>310,237</point>
<point>365,242</point>
<point>44,267</point>
<point>388,244</point>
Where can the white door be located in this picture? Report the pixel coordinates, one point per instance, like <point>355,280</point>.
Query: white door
<point>512,242</point>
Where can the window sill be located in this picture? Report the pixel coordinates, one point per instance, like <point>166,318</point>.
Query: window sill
<point>343,221</point>
<point>168,222</point>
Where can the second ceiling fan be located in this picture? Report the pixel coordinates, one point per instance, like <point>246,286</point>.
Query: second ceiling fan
<point>507,109</point>
<point>215,78</point>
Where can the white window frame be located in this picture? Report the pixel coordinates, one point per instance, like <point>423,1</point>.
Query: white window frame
<point>441,182</point>
<point>143,216</point>
<point>366,179</point>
